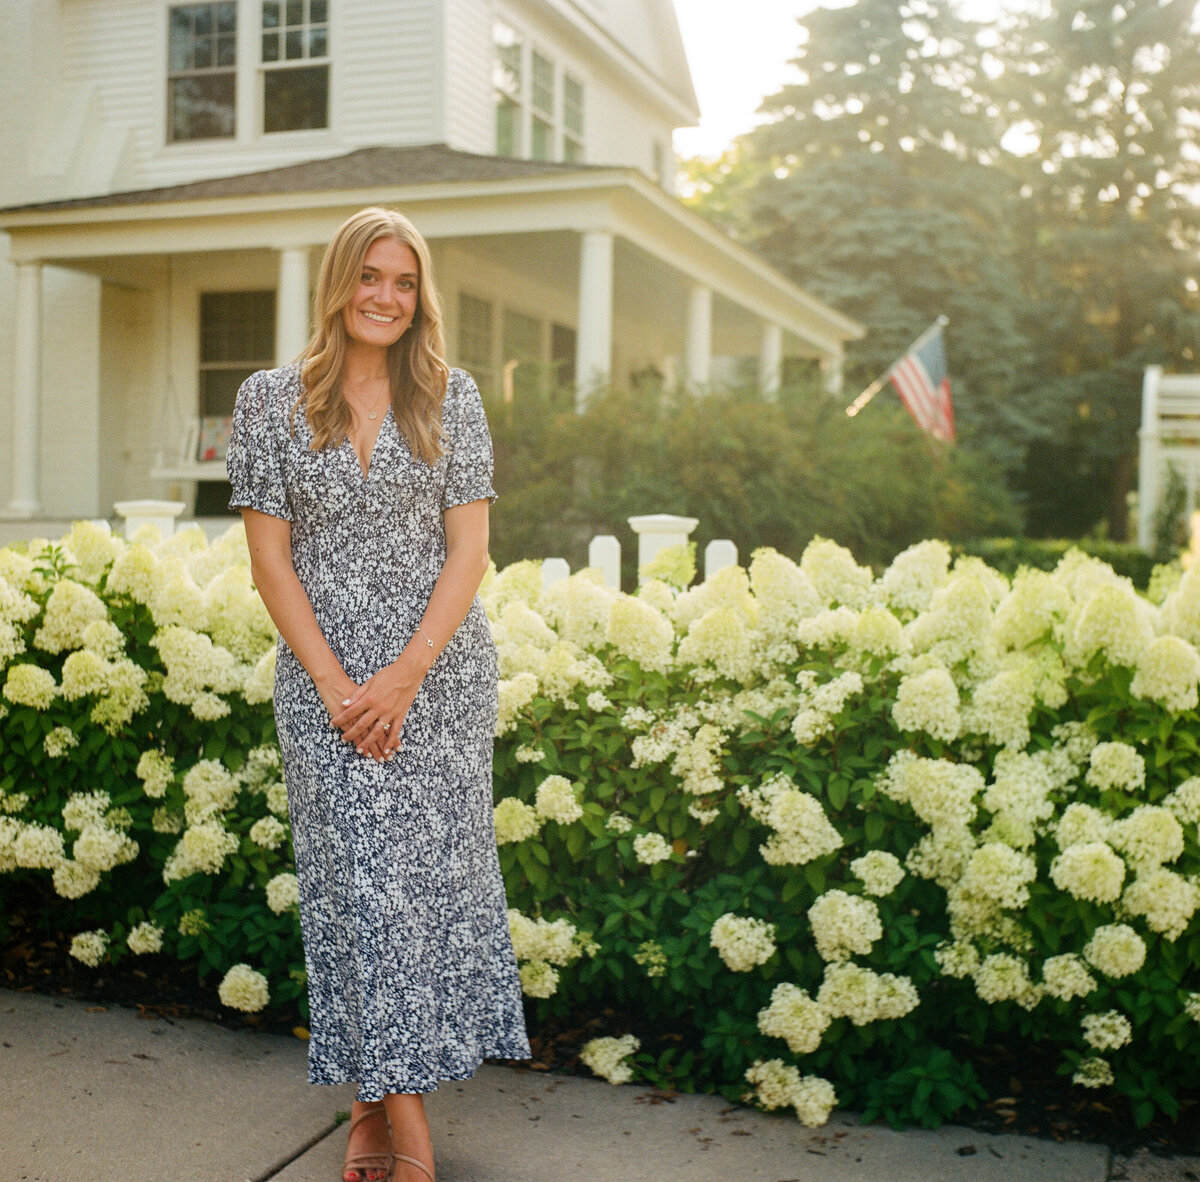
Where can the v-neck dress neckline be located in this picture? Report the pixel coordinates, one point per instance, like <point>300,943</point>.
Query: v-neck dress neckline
<point>348,442</point>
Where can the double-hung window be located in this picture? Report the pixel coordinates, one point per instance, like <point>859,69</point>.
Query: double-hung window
<point>539,105</point>
<point>201,71</point>
<point>295,61</point>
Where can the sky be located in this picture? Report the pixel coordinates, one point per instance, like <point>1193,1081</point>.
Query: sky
<point>735,64</point>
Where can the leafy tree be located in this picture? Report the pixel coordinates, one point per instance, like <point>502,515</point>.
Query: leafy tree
<point>870,185</point>
<point>1108,98</point>
<point>1034,182</point>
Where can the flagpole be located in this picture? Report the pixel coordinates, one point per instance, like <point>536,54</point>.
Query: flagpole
<point>881,381</point>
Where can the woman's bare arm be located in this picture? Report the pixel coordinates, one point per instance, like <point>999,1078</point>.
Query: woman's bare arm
<point>386,697</point>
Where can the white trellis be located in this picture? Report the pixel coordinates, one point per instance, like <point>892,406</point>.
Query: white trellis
<point>1169,436</point>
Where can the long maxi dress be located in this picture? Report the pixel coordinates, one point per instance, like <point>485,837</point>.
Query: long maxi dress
<point>411,973</point>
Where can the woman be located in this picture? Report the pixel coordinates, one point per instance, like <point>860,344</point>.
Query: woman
<point>363,472</point>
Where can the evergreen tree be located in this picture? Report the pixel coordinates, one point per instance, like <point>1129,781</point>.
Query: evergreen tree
<point>871,185</point>
<point>1108,97</point>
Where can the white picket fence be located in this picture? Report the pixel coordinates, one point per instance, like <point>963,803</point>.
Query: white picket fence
<point>655,532</point>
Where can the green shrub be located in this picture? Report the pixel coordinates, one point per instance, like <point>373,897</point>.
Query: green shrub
<point>1008,555</point>
<point>759,473</point>
<point>833,824</point>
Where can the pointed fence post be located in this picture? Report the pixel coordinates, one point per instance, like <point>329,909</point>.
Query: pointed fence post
<point>718,554</point>
<point>657,531</point>
<point>604,553</point>
<point>554,570</point>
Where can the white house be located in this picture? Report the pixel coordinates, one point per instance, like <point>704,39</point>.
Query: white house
<point>170,171</point>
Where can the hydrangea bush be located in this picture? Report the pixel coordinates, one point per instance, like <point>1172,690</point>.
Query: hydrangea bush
<point>837,827</point>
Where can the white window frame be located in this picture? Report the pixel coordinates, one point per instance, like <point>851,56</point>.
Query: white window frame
<point>521,96</point>
<point>167,74</point>
<point>264,67</point>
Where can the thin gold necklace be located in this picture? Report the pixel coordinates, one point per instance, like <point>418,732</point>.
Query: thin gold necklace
<point>371,414</point>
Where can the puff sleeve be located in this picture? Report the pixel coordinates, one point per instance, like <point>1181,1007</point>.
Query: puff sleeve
<point>253,459</point>
<point>469,470</point>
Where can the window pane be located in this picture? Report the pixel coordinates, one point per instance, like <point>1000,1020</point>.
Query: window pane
<point>270,52</point>
<point>318,41</point>
<point>237,327</point>
<point>543,84</point>
<point>295,12</point>
<point>226,18</point>
<point>506,127</point>
<point>201,107</point>
<point>203,53</point>
<point>572,151</point>
<point>226,50</point>
<point>542,147</point>
<point>270,14</point>
<point>318,11</point>
<point>572,105</point>
<point>295,44</point>
<point>203,18</point>
<point>522,337</point>
<point>296,99</point>
<point>474,332</point>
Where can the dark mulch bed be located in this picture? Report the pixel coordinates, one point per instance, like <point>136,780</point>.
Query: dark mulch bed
<point>1030,1096</point>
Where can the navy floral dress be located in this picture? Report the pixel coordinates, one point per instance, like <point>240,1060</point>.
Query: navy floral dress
<point>411,972</point>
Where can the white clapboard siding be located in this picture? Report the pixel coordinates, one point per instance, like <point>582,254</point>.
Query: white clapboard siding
<point>469,108</point>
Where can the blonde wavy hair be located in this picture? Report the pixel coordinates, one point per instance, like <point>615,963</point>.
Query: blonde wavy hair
<point>416,362</point>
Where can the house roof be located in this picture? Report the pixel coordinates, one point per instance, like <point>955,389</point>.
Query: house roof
<point>363,168</point>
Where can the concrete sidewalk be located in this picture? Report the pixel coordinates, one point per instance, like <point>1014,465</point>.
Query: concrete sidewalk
<point>94,1094</point>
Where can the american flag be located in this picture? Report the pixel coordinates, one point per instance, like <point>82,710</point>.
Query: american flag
<point>923,383</point>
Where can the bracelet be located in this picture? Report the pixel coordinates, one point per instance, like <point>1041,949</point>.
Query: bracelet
<point>426,635</point>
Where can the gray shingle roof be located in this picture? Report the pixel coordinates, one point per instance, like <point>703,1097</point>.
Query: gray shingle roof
<point>361,169</point>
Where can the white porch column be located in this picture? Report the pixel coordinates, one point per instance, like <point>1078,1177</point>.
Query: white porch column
<point>27,390</point>
<point>698,344</point>
<point>657,531</point>
<point>770,360</point>
<point>832,372</point>
<point>291,304</point>
<point>593,339</point>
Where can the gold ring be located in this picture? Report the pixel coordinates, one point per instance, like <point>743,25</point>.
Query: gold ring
<point>386,726</point>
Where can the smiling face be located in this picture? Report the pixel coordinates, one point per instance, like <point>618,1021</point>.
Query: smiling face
<point>385,301</point>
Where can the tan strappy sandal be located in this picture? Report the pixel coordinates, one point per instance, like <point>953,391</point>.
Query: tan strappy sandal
<point>399,1157</point>
<point>362,1162</point>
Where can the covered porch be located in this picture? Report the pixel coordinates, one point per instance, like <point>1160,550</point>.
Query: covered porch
<point>567,274</point>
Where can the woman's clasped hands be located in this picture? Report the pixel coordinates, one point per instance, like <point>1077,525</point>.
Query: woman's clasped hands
<point>371,715</point>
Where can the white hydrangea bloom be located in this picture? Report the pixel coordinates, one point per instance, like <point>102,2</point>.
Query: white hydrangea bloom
<point>72,880</point>
<point>1166,900</point>
<point>1191,1006</point>
<point>556,800</point>
<point>833,571</point>
<point>941,855</point>
<point>1089,870</point>
<point>795,1017</point>
<point>928,702</point>
<point>785,594</point>
<point>515,821</point>
<point>38,847</point>
<point>1148,837</point>
<point>1114,620</point>
<point>1168,672</point>
<point>209,789</point>
<point>69,610</point>
<point>718,639</point>
<point>268,832</point>
<point>607,1057</point>
<point>515,694</point>
<point>618,823</point>
<point>941,793</point>
<point>30,685</point>
<point>1000,874</point>
<point>1116,765</point>
<point>85,808</point>
<point>1181,608</point>
<point>538,979</point>
<point>1080,824</point>
<point>957,958</point>
<point>829,628</point>
<point>651,957</point>
<point>1116,950</point>
<point>105,639</point>
<point>915,574</point>
<point>743,942</point>
<point>1066,977</point>
<point>90,948</point>
<point>202,849</point>
<point>244,988</point>
<point>651,848</point>
<point>1093,1073</point>
<point>1000,706</point>
<point>145,938</point>
<point>1035,608</point>
<point>260,684</point>
<point>1004,977</point>
<point>1184,801</point>
<point>100,848</point>
<point>878,871</point>
<point>957,623</point>
<point>844,925</point>
<point>851,991</point>
<point>1107,1031</point>
<point>802,831</point>
<point>542,940</point>
<point>283,892</point>
<point>59,741</point>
